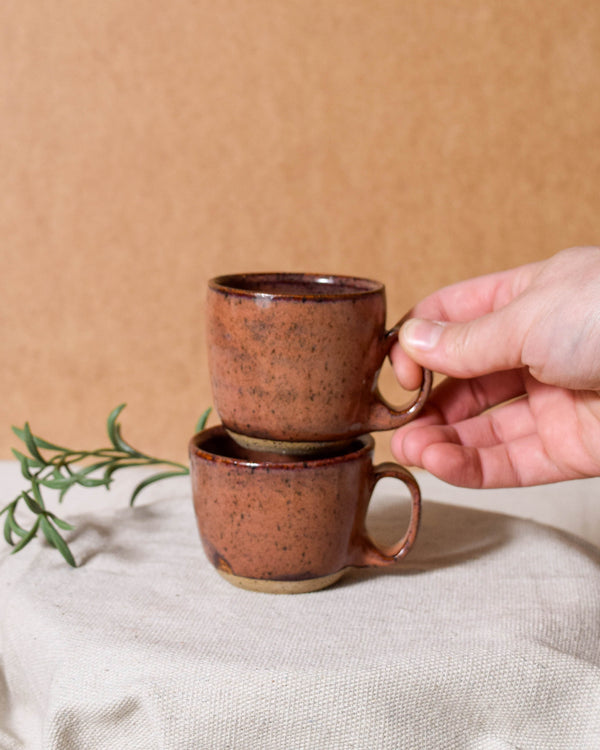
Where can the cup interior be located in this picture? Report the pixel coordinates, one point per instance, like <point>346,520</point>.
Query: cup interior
<point>295,285</point>
<point>215,444</point>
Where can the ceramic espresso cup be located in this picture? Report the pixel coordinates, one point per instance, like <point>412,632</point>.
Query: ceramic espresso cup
<point>295,358</point>
<point>281,524</point>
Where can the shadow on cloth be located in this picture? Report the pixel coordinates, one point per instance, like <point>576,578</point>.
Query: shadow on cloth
<point>448,535</point>
<point>115,535</point>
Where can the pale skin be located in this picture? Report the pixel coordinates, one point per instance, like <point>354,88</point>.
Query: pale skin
<point>521,349</point>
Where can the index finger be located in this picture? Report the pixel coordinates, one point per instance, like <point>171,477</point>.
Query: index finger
<point>472,298</point>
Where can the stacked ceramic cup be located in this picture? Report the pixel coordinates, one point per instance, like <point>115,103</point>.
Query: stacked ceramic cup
<point>282,487</point>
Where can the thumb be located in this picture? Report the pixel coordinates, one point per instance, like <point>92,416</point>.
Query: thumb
<point>487,344</point>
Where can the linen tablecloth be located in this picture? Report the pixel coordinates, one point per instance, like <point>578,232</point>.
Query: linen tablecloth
<point>486,636</point>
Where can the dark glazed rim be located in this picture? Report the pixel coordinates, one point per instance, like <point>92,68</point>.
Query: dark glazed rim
<point>367,445</point>
<point>357,286</point>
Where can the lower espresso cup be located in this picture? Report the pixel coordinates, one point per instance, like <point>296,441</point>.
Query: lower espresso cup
<point>295,358</point>
<point>283,524</point>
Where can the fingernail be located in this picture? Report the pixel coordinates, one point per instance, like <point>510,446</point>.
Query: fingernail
<point>422,335</point>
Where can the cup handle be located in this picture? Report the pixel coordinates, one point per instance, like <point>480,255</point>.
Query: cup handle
<point>368,554</point>
<point>383,415</point>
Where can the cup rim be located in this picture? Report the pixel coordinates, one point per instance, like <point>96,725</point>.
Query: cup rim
<point>367,444</point>
<point>357,286</point>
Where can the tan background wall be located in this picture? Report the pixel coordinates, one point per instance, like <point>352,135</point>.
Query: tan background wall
<point>145,147</point>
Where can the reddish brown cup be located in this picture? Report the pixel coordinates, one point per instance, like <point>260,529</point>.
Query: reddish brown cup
<point>277,523</point>
<point>295,358</point>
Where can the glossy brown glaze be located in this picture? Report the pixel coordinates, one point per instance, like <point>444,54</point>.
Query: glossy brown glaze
<point>295,357</point>
<point>276,518</point>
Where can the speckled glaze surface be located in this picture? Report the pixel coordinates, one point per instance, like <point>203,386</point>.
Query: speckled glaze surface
<point>272,522</point>
<point>295,357</point>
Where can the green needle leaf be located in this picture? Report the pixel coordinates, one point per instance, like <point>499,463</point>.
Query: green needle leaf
<point>10,517</point>
<point>150,480</point>
<point>32,463</point>
<point>55,484</point>
<point>60,523</point>
<point>114,431</point>
<point>8,531</point>
<point>112,418</point>
<point>56,540</point>
<point>66,468</point>
<point>201,424</point>
<point>35,488</point>
<point>40,442</point>
<point>22,459</point>
<point>82,478</point>
<point>28,537</point>
<point>64,490</point>
<point>30,443</point>
<point>111,425</point>
<point>115,466</point>
<point>33,506</point>
<point>123,445</point>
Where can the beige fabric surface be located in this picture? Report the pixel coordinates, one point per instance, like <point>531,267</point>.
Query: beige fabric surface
<point>488,636</point>
<point>573,506</point>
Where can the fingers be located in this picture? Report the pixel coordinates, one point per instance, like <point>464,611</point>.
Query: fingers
<point>473,298</point>
<point>504,425</point>
<point>521,463</point>
<point>505,451</point>
<point>408,373</point>
<point>457,439</point>
<point>490,343</point>
<point>465,329</point>
<point>489,334</point>
<point>454,400</point>
<point>452,404</point>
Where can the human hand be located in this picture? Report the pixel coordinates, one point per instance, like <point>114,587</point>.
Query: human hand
<point>526,341</point>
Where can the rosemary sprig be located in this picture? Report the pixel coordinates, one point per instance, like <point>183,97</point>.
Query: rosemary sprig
<point>47,465</point>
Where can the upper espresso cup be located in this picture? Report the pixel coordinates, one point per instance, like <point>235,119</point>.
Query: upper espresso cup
<point>295,358</point>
